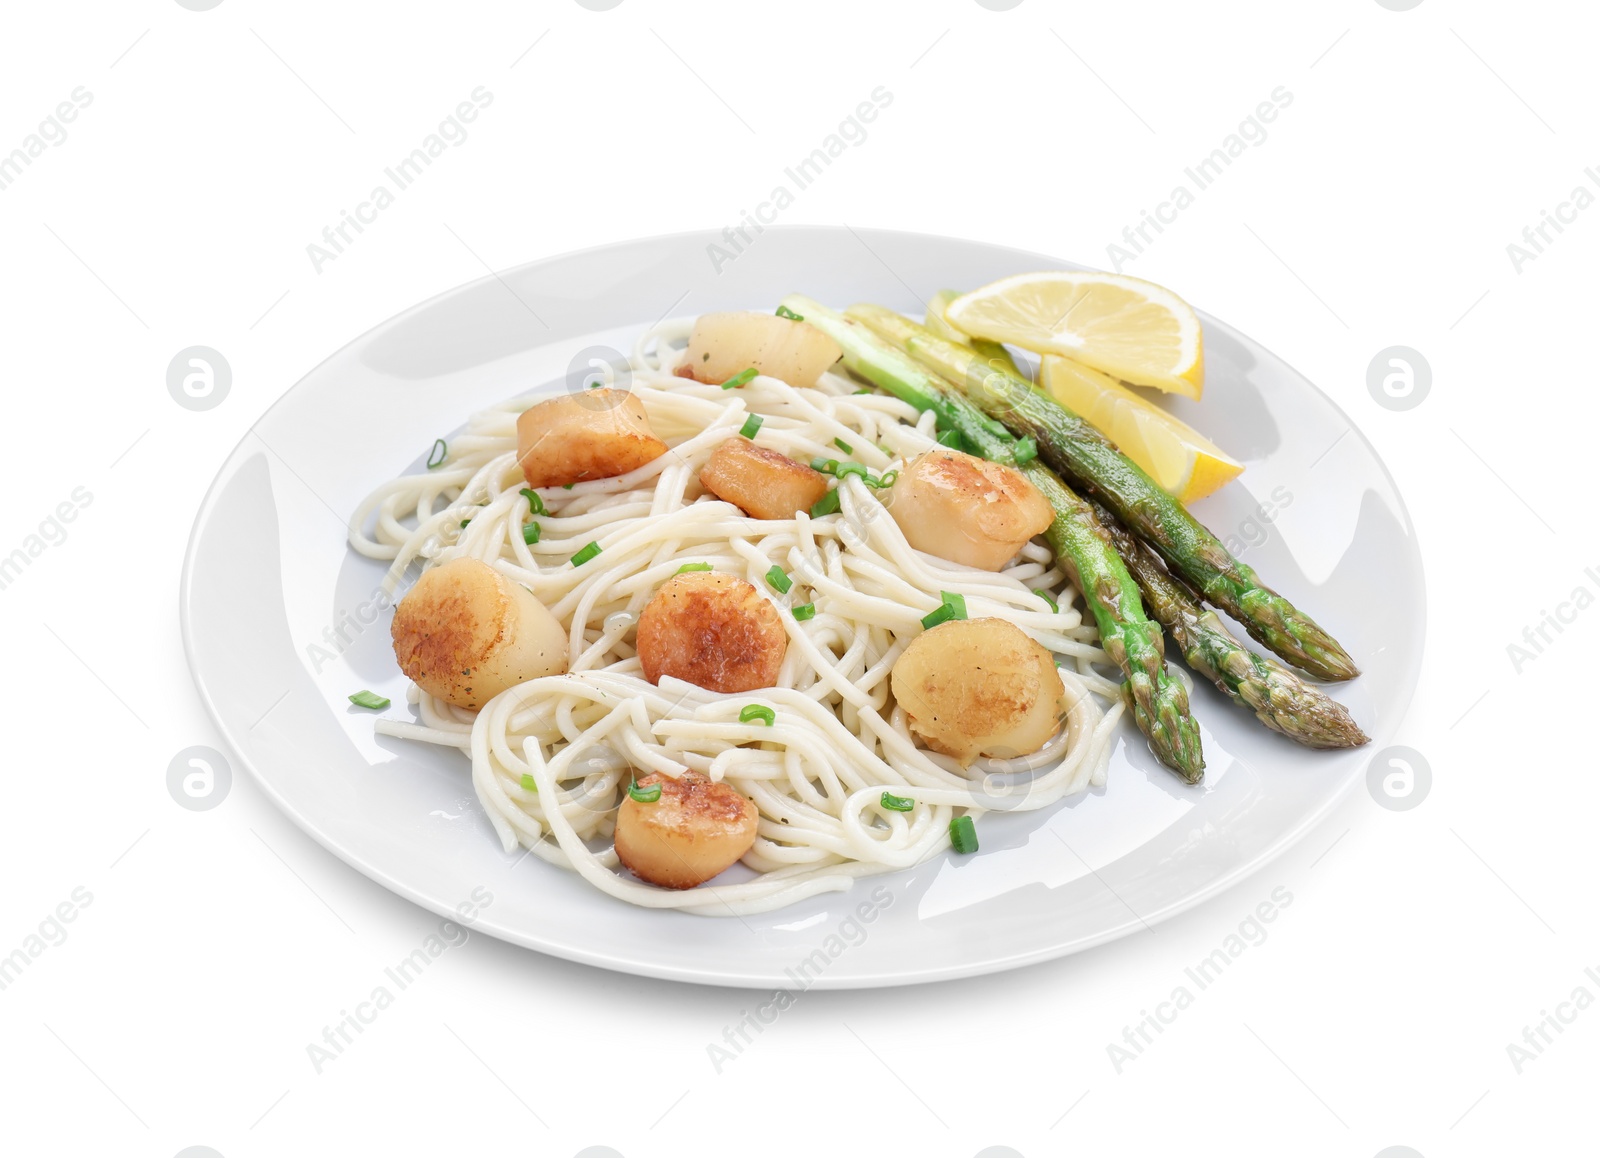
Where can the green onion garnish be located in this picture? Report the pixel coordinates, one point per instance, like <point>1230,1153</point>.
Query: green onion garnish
<point>820,465</point>
<point>371,700</point>
<point>828,504</point>
<point>779,581</point>
<point>757,712</point>
<point>586,554</point>
<point>847,469</point>
<point>530,533</point>
<point>867,390</point>
<point>896,803</point>
<point>752,426</point>
<point>786,312</point>
<point>951,606</point>
<point>645,795</point>
<point>844,446</point>
<point>1025,451</point>
<point>963,836</point>
<point>568,486</point>
<point>743,377</point>
<point>529,783</point>
<point>888,478</point>
<point>951,438</point>
<point>535,503</point>
<point>1046,596</point>
<point>464,523</point>
<point>805,611</point>
<point>693,567</point>
<point>438,454</point>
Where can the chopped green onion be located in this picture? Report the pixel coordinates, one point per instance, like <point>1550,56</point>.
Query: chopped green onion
<point>757,712</point>
<point>752,426</point>
<point>951,438</point>
<point>1046,596</point>
<point>530,533</point>
<point>805,611</point>
<point>1025,451</point>
<point>963,835</point>
<point>844,446</point>
<point>951,606</point>
<point>896,803</point>
<point>742,378</point>
<point>586,554</point>
<point>828,504</point>
<point>693,567</point>
<point>436,456</point>
<point>535,503</point>
<point>568,486</point>
<point>779,581</point>
<point>645,795</point>
<point>373,700</point>
<point>820,465</point>
<point>529,783</point>
<point>464,522</point>
<point>867,390</point>
<point>888,479</point>
<point>786,312</point>
<point>847,469</point>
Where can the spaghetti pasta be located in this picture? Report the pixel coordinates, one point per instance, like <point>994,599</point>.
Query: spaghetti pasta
<point>552,757</point>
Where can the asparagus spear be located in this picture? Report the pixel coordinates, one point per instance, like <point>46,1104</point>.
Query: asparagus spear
<point>1159,703</point>
<point>1077,450</point>
<point>993,353</point>
<point>1280,699</point>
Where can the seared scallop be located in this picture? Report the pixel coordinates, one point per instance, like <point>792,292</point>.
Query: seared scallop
<point>593,434</point>
<point>761,482</point>
<point>979,687</point>
<point>713,630</point>
<point>465,633</point>
<point>724,345</point>
<point>697,829</point>
<point>966,509</point>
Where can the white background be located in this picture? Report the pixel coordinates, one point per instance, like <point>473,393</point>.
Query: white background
<point>218,944</point>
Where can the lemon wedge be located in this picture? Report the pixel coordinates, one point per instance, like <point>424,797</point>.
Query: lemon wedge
<point>1184,463</point>
<point>992,352</point>
<point>936,321</point>
<point>1130,329</point>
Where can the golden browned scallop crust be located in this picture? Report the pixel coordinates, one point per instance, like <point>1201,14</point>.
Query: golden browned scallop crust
<point>761,482</point>
<point>593,434</point>
<point>447,623</point>
<point>713,630</point>
<point>697,829</point>
<point>979,687</point>
<point>966,509</point>
<point>464,633</point>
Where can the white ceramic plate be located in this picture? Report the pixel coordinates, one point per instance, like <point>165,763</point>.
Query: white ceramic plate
<point>280,626</point>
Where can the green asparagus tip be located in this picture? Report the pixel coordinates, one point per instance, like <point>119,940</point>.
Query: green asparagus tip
<point>1161,710</point>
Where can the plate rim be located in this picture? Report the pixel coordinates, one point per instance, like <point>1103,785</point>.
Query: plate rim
<point>841,979</point>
